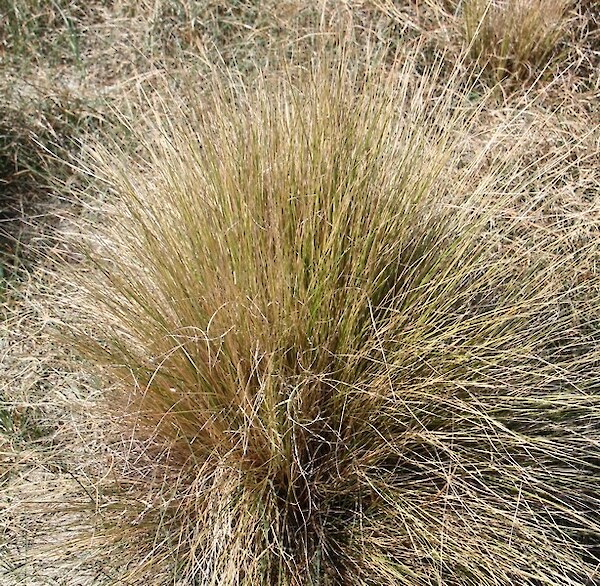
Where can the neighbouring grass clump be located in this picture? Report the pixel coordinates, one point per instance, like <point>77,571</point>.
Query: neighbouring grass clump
<point>515,40</point>
<point>333,353</point>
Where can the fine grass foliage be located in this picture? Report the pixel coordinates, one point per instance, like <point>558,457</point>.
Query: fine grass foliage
<point>515,39</point>
<point>31,26</point>
<point>325,360</point>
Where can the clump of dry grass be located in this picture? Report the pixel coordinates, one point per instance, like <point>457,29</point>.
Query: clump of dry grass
<point>515,39</point>
<point>326,358</point>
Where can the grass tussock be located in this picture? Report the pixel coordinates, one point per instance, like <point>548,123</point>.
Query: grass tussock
<point>515,39</point>
<point>327,359</point>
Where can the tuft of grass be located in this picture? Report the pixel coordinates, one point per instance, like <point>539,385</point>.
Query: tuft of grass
<point>515,40</point>
<point>326,357</point>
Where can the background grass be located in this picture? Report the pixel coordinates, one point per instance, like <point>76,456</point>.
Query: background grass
<point>516,40</point>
